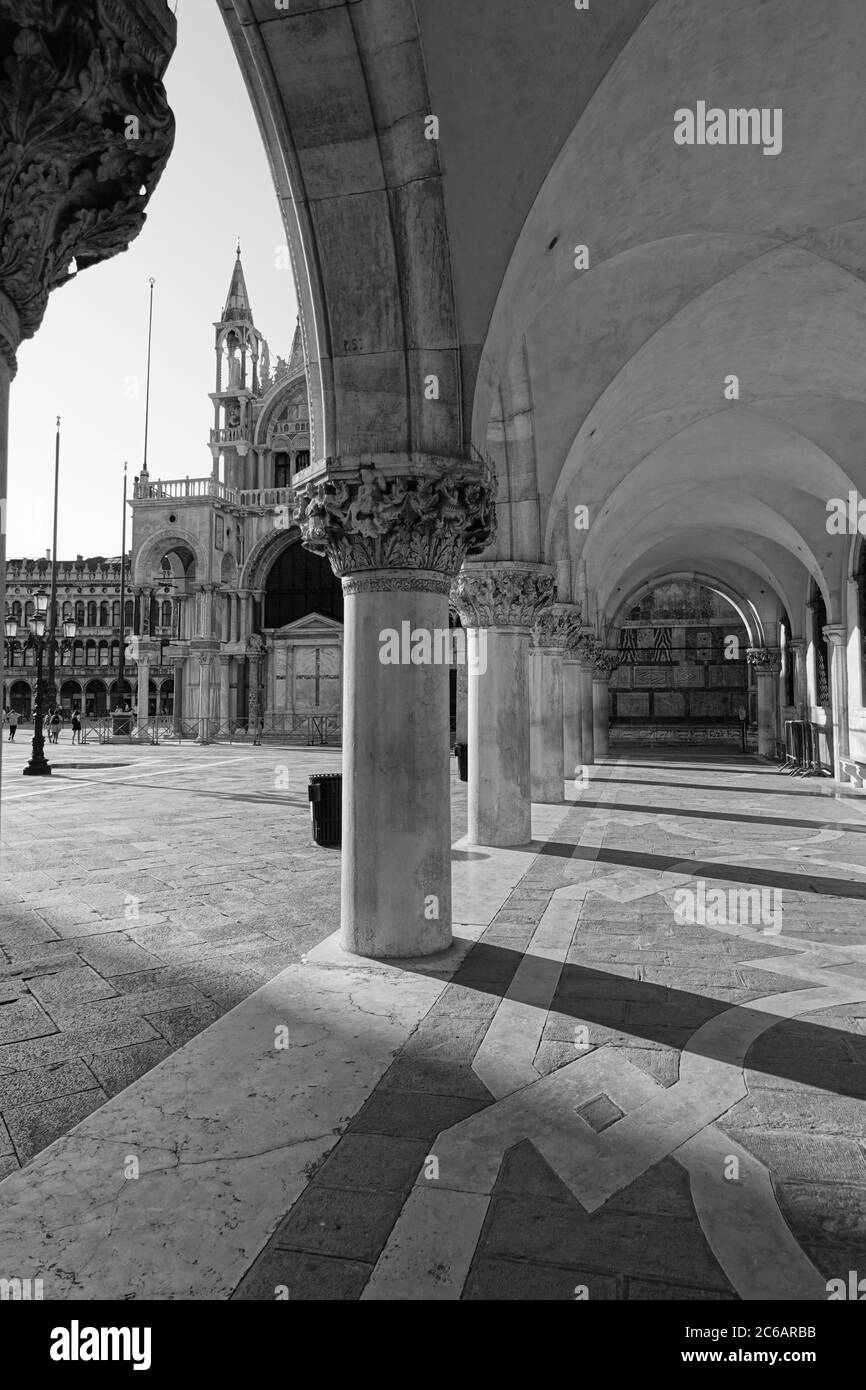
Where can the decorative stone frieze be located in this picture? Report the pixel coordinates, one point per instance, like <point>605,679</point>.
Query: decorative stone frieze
<point>502,595</point>
<point>85,132</point>
<point>375,521</point>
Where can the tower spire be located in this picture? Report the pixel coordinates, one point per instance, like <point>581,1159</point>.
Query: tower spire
<point>237,306</point>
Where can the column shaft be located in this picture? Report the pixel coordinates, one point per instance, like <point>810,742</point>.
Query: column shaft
<point>500,809</point>
<point>396,865</point>
<point>572,744</point>
<point>600,716</point>
<point>546,758</point>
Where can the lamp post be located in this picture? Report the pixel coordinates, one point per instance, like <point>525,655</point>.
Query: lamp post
<point>38,765</point>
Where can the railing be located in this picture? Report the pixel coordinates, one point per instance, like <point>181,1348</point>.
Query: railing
<point>265,497</point>
<point>230,434</point>
<point>160,491</point>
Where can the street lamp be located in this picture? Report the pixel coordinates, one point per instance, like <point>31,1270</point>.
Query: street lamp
<point>11,631</point>
<point>38,765</point>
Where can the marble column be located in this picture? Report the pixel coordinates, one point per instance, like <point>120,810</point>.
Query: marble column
<point>254,696</point>
<point>767,664</point>
<point>226,618</point>
<point>225,681</point>
<point>177,666</point>
<point>557,630</point>
<point>7,369</point>
<point>462,721</point>
<point>234,611</point>
<point>396,539</point>
<point>498,604</point>
<point>585,651</point>
<point>142,665</point>
<point>572,746</point>
<point>837,638</point>
<point>604,665</point>
<point>243,615</point>
<point>797,651</point>
<point>204,682</point>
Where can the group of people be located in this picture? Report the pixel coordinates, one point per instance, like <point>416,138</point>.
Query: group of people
<point>53,723</point>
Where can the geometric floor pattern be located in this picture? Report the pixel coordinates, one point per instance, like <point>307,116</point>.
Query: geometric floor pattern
<point>639,1074</point>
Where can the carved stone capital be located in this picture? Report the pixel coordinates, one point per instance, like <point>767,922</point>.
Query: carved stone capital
<point>370,519</point>
<point>507,594</point>
<point>84,127</point>
<point>767,661</point>
<point>558,627</point>
<point>605,664</point>
<point>586,650</point>
<point>836,634</point>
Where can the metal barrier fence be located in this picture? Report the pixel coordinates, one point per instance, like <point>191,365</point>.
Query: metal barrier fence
<point>802,753</point>
<point>302,731</point>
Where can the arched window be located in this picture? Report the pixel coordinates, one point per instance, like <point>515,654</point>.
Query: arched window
<point>92,614</point>
<point>300,583</point>
<point>80,614</point>
<point>68,610</point>
<point>92,653</point>
<point>104,619</point>
<point>115,653</point>
<point>282,470</point>
<point>302,459</point>
<point>115,613</point>
<point>103,653</point>
<point>129,614</point>
<point>16,610</point>
<point>29,656</point>
<point>28,610</point>
<point>165,616</point>
<point>78,654</point>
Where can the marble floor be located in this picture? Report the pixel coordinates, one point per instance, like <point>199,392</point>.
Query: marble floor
<point>639,1073</point>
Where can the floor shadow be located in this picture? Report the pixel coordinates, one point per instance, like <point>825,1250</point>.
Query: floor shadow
<point>790,1049</point>
<point>697,814</point>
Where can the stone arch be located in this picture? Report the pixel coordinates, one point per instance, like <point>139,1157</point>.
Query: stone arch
<point>165,543</point>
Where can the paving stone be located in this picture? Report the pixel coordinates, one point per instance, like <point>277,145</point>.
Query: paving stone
<point>334,1221</point>
<point>600,1113</point>
<point>411,1114</point>
<point>42,1052</point>
<point>118,1069</point>
<point>36,1125</point>
<point>524,1281</point>
<point>645,1290</point>
<point>45,1083</point>
<point>374,1162</point>
<point>177,1026</point>
<point>307,1278</point>
<point>115,954</point>
<point>436,1074</point>
<point>632,1243</point>
<point>70,986</point>
<point>147,1003</point>
<point>793,1156</point>
<point>23,1018</point>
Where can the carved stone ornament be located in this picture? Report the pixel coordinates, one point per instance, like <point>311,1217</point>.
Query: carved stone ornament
<point>558,627</point>
<point>586,650</point>
<point>84,128</point>
<point>606,662</point>
<point>375,522</point>
<point>502,595</point>
<point>766,660</point>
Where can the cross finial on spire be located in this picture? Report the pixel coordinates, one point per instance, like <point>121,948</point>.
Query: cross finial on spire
<point>239,249</point>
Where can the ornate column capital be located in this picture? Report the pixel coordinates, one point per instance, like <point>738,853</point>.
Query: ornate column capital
<point>767,661</point>
<point>585,650</point>
<point>502,594</point>
<point>797,644</point>
<point>605,664</point>
<point>557,628</point>
<point>836,634</point>
<point>373,518</point>
<point>85,132</point>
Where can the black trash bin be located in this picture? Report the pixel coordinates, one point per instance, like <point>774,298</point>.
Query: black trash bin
<point>326,808</point>
<point>461,753</point>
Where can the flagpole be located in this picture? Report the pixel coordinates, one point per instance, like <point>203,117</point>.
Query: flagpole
<point>51,689</point>
<point>151,282</point>
<point>121,656</point>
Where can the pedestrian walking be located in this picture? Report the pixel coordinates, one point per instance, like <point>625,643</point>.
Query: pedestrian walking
<point>76,726</point>
<point>56,721</point>
<point>13,724</point>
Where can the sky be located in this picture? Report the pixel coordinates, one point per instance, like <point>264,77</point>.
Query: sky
<point>88,361</point>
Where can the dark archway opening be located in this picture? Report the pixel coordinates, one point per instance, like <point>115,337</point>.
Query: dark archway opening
<point>300,583</point>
